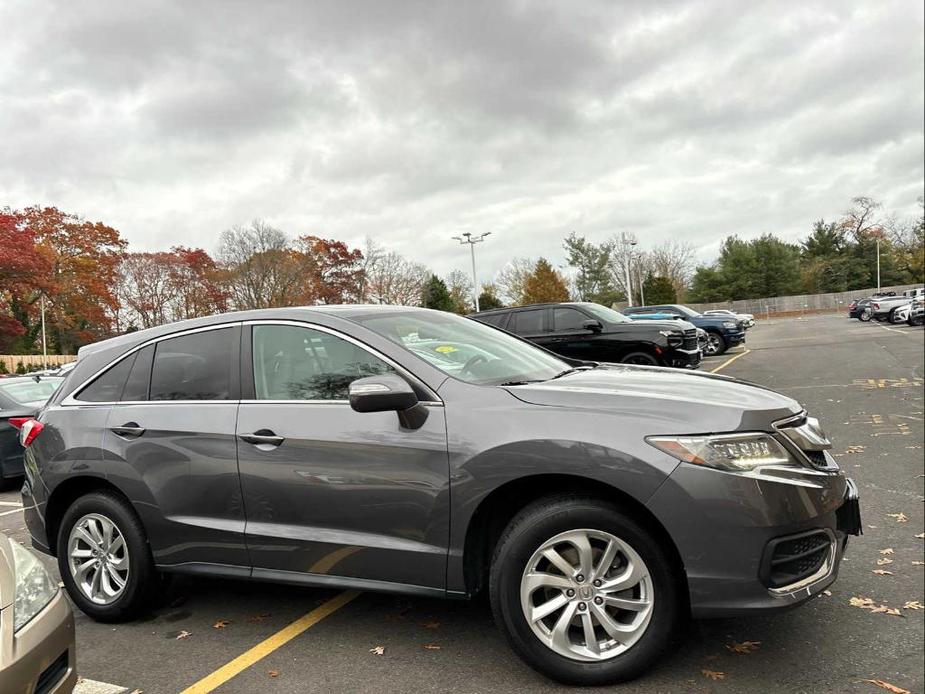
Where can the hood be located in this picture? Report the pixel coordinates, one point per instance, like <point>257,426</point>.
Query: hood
<point>690,401</point>
<point>658,324</point>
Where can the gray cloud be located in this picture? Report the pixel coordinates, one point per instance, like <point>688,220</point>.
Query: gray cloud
<point>414,121</point>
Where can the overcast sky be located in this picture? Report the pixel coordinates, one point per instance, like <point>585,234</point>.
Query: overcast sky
<point>414,121</point>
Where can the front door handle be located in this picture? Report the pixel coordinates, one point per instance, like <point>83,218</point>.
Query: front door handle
<point>262,437</point>
<point>129,430</point>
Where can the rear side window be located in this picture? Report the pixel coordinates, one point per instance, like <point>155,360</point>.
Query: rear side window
<point>194,367</point>
<point>136,386</point>
<point>528,322</point>
<point>568,319</point>
<point>108,386</point>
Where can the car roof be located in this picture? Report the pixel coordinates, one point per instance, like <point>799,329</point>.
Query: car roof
<point>551,304</point>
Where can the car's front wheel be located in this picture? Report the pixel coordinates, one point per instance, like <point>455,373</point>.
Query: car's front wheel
<point>584,593</point>
<point>104,558</point>
<point>716,343</point>
<point>641,358</point>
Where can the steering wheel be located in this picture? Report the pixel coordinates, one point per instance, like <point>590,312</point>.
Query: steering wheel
<point>472,361</point>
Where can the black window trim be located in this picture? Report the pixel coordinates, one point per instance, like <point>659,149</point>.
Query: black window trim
<point>248,390</point>
<point>73,399</point>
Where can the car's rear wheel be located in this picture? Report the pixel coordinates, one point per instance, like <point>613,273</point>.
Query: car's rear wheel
<point>104,558</point>
<point>716,343</point>
<point>865,315</point>
<point>584,594</point>
<point>641,358</point>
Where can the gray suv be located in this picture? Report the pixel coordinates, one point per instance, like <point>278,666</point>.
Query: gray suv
<point>418,452</point>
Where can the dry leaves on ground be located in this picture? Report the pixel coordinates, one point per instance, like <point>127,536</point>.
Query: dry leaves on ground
<point>273,673</point>
<point>887,551</point>
<point>430,646</point>
<point>183,635</point>
<point>921,536</point>
<point>221,624</point>
<point>377,650</point>
<point>744,647</point>
<point>900,517</point>
<point>431,625</point>
<point>889,687</point>
<point>855,449</point>
<point>258,617</point>
<point>884,562</point>
<point>914,605</point>
<point>869,604</point>
<point>713,675</point>
<point>918,563</point>
<point>882,572</point>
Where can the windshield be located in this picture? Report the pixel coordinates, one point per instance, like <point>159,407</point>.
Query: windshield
<point>608,315</point>
<point>464,348</point>
<point>683,310</point>
<point>27,392</point>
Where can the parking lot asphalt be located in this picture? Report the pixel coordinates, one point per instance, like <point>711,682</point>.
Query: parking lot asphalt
<point>864,381</point>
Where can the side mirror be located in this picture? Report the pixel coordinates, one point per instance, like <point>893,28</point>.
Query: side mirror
<point>677,317</point>
<point>387,393</point>
<point>593,325</point>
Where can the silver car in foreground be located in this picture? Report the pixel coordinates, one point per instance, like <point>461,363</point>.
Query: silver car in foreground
<point>37,654</point>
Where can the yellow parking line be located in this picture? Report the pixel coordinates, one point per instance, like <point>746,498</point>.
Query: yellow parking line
<point>729,361</point>
<point>264,648</point>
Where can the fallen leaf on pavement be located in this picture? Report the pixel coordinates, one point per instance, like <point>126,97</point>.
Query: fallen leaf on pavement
<point>258,617</point>
<point>918,563</point>
<point>744,647</point>
<point>431,625</point>
<point>863,603</point>
<point>377,650</point>
<point>183,635</point>
<point>882,572</point>
<point>921,536</point>
<point>221,624</point>
<point>884,562</point>
<point>888,550</point>
<point>827,593</point>
<point>714,675</point>
<point>430,646</point>
<point>914,605</point>
<point>855,449</point>
<point>900,517</point>
<point>273,673</point>
<point>883,609</point>
<point>889,687</point>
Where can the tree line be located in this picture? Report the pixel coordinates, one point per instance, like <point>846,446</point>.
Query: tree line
<point>92,286</point>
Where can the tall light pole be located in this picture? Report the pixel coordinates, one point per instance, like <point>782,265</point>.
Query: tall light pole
<point>467,237</point>
<point>629,240</point>
<point>44,344</point>
<point>878,263</point>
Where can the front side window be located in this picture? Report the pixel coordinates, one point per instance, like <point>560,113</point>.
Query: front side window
<point>197,366</point>
<point>295,363</point>
<point>463,348</point>
<point>568,320</point>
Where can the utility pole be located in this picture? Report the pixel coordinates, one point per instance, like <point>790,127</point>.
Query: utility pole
<point>44,346</point>
<point>467,237</point>
<point>878,263</point>
<point>629,240</point>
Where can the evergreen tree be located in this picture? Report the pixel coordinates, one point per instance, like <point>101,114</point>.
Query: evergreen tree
<point>659,290</point>
<point>592,261</point>
<point>436,295</point>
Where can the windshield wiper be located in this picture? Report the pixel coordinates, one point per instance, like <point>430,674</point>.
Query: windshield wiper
<point>572,370</point>
<point>519,383</point>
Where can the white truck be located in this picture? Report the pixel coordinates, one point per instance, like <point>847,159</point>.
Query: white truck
<point>884,308</point>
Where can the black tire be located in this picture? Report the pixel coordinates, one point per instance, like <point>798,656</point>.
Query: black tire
<point>716,343</point>
<point>535,525</point>
<point>641,358</point>
<point>865,315</point>
<point>141,587</point>
<point>891,318</point>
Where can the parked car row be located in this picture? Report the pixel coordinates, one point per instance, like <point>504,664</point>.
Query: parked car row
<point>890,307</point>
<point>724,329</point>
<point>20,399</point>
<point>599,506</point>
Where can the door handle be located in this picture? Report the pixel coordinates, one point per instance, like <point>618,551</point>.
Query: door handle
<point>262,437</point>
<point>129,430</point>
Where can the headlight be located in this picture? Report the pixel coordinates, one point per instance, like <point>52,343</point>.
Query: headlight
<point>731,325</point>
<point>34,587</point>
<point>734,452</point>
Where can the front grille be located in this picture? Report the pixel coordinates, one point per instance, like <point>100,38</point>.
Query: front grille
<point>789,560</point>
<point>52,675</point>
<point>690,339</point>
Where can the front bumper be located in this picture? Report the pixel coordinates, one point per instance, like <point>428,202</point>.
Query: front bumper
<point>41,653</point>
<point>734,338</point>
<point>723,525</point>
<point>684,358</point>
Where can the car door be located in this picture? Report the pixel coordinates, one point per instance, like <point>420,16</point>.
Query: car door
<point>331,491</point>
<point>571,338</point>
<point>169,444</point>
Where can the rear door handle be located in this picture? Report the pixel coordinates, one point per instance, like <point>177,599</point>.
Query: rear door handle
<point>129,430</point>
<point>262,437</point>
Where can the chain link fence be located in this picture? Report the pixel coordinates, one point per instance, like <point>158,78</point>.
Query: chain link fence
<point>800,303</point>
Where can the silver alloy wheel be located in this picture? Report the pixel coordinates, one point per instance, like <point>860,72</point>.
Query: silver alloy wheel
<point>714,343</point>
<point>98,558</point>
<point>587,595</point>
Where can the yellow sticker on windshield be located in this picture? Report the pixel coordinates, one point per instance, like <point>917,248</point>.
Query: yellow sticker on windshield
<point>445,349</point>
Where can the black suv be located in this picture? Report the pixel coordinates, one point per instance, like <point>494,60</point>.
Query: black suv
<point>593,332</point>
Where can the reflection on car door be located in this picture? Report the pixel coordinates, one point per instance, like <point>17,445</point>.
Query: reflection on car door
<point>329,490</point>
<point>170,440</point>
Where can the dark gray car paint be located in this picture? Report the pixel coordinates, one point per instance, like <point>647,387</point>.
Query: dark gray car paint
<point>356,500</point>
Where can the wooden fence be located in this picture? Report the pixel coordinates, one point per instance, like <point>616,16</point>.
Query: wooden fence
<point>34,361</point>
